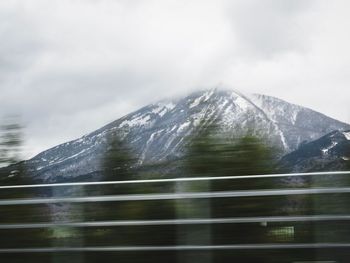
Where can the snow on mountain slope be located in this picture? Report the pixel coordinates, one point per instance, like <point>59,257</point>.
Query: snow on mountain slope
<point>347,135</point>
<point>158,131</point>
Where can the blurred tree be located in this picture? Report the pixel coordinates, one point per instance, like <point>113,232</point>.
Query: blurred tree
<point>213,153</point>
<point>15,172</point>
<point>118,160</point>
<point>118,164</point>
<point>10,141</point>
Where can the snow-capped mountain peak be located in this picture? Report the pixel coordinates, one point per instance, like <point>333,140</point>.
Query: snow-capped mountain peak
<point>158,131</point>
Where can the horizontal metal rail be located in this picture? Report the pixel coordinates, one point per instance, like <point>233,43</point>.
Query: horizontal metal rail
<point>190,221</point>
<point>177,248</point>
<point>175,196</point>
<point>185,179</point>
<point>194,221</point>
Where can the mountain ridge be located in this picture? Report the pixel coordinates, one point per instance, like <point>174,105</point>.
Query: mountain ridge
<point>330,152</point>
<point>158,131</point>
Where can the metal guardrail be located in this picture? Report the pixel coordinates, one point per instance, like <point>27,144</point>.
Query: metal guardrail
<point>178,196</point>
<point>195,221</point>
<point>169,180</point>
<point>176,248</point>
<point>174,196</point>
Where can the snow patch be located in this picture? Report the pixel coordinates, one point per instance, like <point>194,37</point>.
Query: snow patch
<point>77,154</point>
<point>347,135</point>
<point>170,105</point>
<point>183,126</point>
<point>228,110</point>
<point>208,94</point>
<point>159,110</point>
<point>202,98</point>
<point>170,141</point>
<point>326,150</point>
<point>173,128</point>
<point>283,139</point>
<point>161,113</point>
<point>149,141</point>
<point>196,102</point>
<point>55,161</point>
<point>242,103</point>
<point>139,121</point>
<point>294,116</point>
<point>196,121</point>
<point>80,140</point>
<point>162,108</point>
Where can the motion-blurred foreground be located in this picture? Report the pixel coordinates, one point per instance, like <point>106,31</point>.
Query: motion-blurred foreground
<point>183,220</point>
<point>230,201</point>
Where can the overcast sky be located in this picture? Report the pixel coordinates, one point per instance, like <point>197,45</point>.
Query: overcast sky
<point>70,66</point>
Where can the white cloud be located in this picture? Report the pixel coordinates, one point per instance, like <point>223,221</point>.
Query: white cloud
<point>70,66</point>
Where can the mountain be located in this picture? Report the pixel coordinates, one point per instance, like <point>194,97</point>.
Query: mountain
<point>330,152</point>
<point>158,131</point>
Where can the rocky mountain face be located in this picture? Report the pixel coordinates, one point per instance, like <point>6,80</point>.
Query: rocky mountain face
<point>158,131</point>
<point>330,152</point>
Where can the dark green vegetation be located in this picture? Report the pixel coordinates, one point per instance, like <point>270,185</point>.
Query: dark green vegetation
<point>117,165</point>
